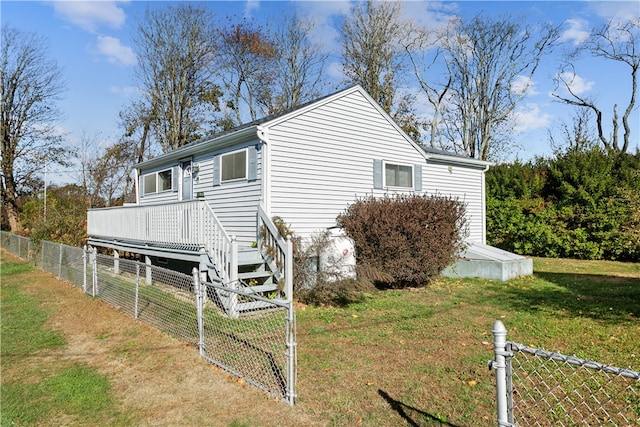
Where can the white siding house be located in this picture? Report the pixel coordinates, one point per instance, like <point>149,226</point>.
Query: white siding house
<point>305,166</point>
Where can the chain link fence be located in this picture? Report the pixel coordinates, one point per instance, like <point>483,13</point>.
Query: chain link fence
<point>540,388</point>
<point>257,346</point>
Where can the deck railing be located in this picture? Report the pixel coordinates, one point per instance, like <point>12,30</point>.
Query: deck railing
<point>181,224</point>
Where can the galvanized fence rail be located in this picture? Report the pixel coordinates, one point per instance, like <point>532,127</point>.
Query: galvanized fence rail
<point>539,388</point>
<point>259,347</point>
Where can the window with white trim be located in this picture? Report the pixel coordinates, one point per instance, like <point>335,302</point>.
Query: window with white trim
<point>158,182</point>
<point>398,175</point>
<point>233,165</point>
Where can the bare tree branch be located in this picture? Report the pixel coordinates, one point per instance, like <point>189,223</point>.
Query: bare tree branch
<point>617,42</point>
<point>31,85</point>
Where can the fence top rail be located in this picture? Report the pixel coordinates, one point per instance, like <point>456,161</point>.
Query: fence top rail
<point>573,360</point>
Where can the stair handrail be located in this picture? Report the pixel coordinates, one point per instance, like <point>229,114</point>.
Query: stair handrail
<point>277,251</point>
<point>217,242</point>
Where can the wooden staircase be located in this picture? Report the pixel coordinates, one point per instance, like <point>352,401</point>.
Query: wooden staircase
<point>254,278</point>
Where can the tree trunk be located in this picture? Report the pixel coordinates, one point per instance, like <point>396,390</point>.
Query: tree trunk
<point>10,205</point>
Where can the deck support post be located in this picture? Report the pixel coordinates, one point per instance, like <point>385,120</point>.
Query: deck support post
<point>116,262</point>
<point>147,261</point>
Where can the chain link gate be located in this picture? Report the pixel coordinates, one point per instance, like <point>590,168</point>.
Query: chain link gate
<point>539,388</point>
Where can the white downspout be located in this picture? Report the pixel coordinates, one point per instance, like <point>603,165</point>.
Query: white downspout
<point>265,199</point>
<point>484,206</point>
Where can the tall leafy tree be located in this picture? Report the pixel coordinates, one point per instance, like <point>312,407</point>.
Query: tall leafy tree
<point>486,58</point>
<point>176,47</point>
<point>32,83</point>
<point>615,42</point>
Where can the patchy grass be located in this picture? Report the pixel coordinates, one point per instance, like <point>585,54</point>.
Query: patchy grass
<point>412,357</point>
<point>32,393</point>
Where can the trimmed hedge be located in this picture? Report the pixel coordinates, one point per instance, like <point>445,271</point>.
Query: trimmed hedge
<point>408,238</point>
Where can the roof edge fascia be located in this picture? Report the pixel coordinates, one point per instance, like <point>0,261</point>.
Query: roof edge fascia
<point>456,160</point>
<point>199,148</point>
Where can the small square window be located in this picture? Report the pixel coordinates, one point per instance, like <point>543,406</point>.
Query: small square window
<point>234,165</point>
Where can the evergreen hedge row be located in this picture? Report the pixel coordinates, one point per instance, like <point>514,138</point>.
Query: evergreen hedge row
<point>583,203</point>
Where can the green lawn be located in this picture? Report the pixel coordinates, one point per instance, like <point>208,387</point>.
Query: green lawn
<point>421,355</point>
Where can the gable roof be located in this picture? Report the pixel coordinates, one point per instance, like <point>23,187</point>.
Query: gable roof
<point>237,134</point>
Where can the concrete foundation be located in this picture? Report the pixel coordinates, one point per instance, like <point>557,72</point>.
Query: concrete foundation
<point>487,262</point>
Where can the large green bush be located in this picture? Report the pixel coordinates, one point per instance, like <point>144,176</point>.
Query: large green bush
<point>409,237</point>
<point>581,204</point>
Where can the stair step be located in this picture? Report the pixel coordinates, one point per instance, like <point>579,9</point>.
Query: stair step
<point>261,288</point>
<point>254,275</point>
<point>249,256</point>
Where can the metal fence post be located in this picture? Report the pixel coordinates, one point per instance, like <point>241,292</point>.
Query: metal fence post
<point>499,364</point>
<point>233,279</point>
<point>60,262</point>
<point>291,326</point>
<point>197,288</point>
<point>135,313</point>
<point>84,269</point>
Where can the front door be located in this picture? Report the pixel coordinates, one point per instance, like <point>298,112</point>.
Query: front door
<point>186,192</point>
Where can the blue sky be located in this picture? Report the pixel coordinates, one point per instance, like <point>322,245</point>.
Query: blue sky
<point>91,41</point>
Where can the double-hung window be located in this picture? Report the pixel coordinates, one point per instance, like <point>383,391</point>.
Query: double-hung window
<point>398,175</point>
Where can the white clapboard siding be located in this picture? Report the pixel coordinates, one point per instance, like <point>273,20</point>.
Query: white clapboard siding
<point>465,184</point>
<point>235,203</point>
<point>322,161</point>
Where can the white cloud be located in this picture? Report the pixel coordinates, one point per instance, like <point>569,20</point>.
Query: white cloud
<point>89,15</point>
<point>432,15</point>
<point>577,32</point>
<point>250,6</point>
<point>577,84</point>
<point>530,117</point>
<point>126,91</point>
<point>323,15</point>
<point>115,51</point>
<point>617,11</point>
<point>523,85</point>
<point>335,71</point>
